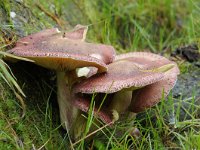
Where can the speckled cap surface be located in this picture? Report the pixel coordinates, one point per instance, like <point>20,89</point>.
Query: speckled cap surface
<point>147,60</point>
<point>136,69</point>
<point>52,49</point>
<point>121,74</point>
<point>150,95</point>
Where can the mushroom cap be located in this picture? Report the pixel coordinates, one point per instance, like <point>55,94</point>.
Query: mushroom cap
<point>142,98</point>
<point>150,95</point>
<point>148,60</point>
<point>83,104</point>
<point>52,49</point>
<point>122,73</point>
<point>78,33</point>
<point>129,70</point>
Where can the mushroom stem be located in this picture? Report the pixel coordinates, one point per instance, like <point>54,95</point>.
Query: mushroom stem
<point>121,101</point>
<point>68,112</point>
<point>80,126</point>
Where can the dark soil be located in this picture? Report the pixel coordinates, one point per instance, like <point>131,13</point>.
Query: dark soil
<point>190,53</point>
<point>187,89</point>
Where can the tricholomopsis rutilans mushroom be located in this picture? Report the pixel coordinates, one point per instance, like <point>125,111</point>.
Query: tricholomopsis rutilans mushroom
<point>135,80</point>
<point>65,53</point>
<point>151,94</point>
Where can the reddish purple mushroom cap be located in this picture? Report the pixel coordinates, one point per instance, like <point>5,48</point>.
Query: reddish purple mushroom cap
<point>122,74</point>
<point>134,71</point>
<point>150,95</point>
<point>52,49</point>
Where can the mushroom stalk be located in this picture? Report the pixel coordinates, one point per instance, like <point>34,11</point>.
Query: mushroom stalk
<point>68,112</point>
<point>121,101</point>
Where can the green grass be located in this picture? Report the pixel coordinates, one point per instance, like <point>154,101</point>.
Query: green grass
<point>156,131</point>
<point>159,26</point>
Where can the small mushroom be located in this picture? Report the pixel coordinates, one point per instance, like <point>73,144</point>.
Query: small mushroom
<point>126,77</point>
<point>122,78</point>
<point>150,95</point>
<point>65,52</point>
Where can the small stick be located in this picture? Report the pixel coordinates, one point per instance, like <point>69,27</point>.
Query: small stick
<point>43,145</point>
<point>54,17</point>
<point>92,133</point>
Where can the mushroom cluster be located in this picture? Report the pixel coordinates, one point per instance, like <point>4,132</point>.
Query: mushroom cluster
<point>132,82</point>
